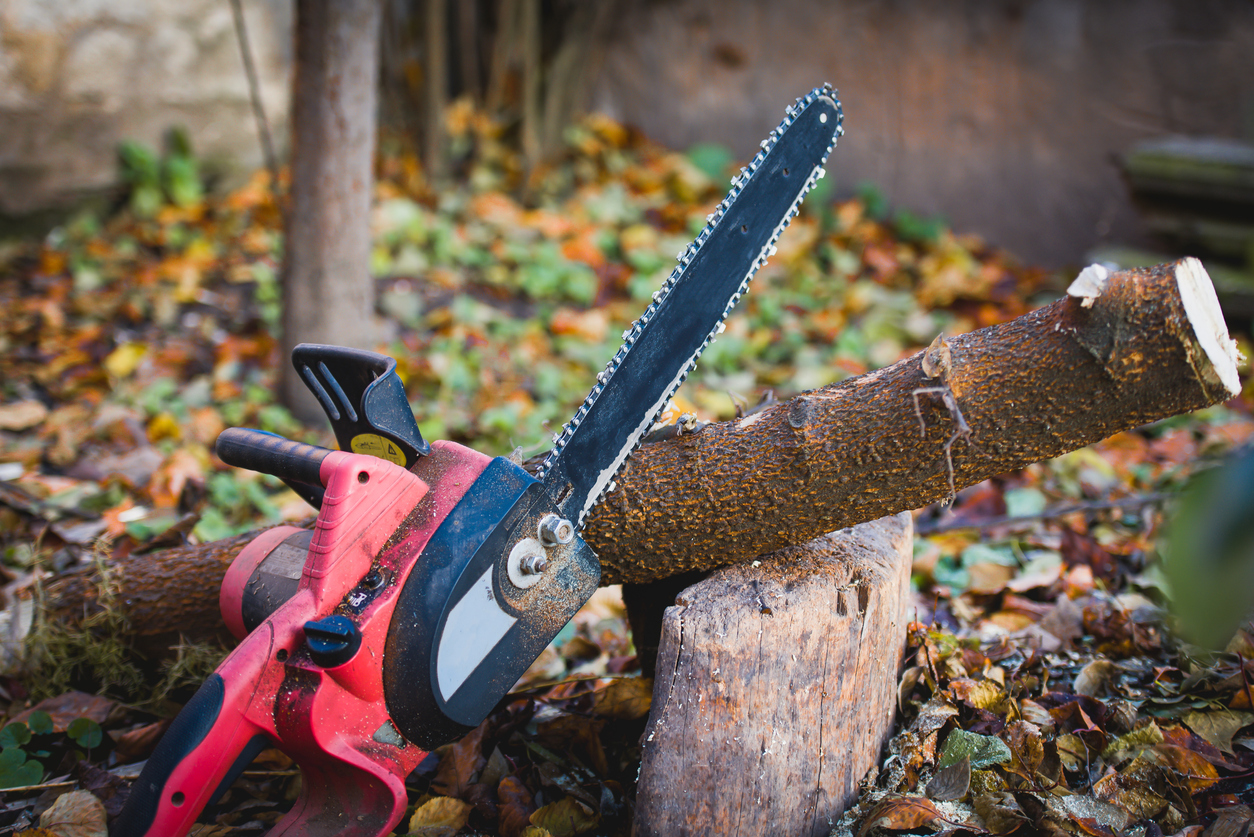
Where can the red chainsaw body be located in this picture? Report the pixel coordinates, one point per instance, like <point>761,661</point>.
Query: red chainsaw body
<point>332,721</point>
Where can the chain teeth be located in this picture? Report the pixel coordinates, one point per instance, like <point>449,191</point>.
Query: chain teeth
<point>685,257</point>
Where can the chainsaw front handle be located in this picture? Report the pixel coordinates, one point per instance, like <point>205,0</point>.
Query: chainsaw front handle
<point>267,453</point>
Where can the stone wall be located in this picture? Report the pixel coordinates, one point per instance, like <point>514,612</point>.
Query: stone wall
<point>1003,116</point>
<point>79,76</point>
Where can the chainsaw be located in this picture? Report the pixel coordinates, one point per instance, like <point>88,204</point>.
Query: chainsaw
<point>435,575</point>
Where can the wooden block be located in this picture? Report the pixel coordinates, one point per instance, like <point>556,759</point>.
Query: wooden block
<point>776,687</point>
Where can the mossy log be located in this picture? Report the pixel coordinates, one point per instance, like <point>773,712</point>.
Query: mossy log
<point>1117,352</point>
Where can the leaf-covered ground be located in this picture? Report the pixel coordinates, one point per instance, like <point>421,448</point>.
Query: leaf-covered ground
<point>1043,689</point>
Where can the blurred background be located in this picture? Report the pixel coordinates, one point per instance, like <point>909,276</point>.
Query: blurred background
<point>1012,119</point>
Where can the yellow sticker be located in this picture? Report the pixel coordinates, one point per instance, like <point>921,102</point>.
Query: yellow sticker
<point>372,445</point>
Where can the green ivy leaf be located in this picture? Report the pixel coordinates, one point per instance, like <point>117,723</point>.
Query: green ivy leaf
<point>85,732</point>
<point>14,735</point>
<point>16,771</point>
<point>40,722</point>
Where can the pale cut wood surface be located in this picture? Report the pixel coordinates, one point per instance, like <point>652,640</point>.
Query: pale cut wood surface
<point>776,687</point>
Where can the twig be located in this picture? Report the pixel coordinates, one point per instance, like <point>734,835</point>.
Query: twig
<point>933,527</point>
<point>254,95</point>
<point>962,430</point>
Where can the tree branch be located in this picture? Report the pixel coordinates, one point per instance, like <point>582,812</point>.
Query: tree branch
<point>1146,345</point>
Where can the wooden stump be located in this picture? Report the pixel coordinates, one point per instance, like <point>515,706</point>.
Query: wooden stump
<point>776,686</point>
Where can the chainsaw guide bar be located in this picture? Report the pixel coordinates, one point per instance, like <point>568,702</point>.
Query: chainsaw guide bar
<point>687,312</point>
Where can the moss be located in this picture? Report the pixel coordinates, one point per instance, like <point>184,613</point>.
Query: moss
<point>95,655</point>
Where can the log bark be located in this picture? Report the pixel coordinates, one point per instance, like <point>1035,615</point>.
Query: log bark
<point>1142,346</point>
<point>776,687</point>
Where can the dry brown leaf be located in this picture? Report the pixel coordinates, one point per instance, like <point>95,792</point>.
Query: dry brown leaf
<point>1198,773</point>
<point>1231,822</point>
<point>1094,678</point>
<point>68,707</point>
<point>901,813</point>
<point>1218,727</point>
<point>1027,748</point>
<point>75,814</point>
<point>1129,793</point>
<point>999,811</point>
<point>439,817</point>
<point>624,699</point>
<point>22,415</point>
<point>952,782</point>
<point>516,806</point>
<point>566,818</point>
<point>460,764</point>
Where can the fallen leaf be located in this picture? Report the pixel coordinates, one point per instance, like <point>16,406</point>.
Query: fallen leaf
<point>952,782</point>
<point>1094,678</point>
<point>439,817</point>
<point>75,814</point>
<point>999,811</point>
<point>1129,793</point>
<point>516,806</point>
<point>137,744</point>
<point>22,415</point>
<point>1231,822</point>
<point>1218,727</point>
<point>68,707</point>
<point>461,763</point>
<point>980,750</point>
<point>625,698</point>
<point>1094,816</point>
<point>124,360</point>
<point>937,359</point>
<point>1198,773</point>
<point>566,818</point>
<point>1131,744</point>
<point>901,813</point>
<point>1026,747</point>
<point>979,694</point>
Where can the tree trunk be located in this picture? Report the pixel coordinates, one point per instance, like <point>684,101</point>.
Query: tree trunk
<point>1149,345</point>
<point>328,295</point>
<point>776,686</point>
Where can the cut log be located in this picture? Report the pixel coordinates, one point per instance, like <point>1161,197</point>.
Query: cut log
<point>1118,352</point>
<point>776,687</point>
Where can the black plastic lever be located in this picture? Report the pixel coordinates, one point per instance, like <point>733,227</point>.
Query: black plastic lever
<point>365,400</point>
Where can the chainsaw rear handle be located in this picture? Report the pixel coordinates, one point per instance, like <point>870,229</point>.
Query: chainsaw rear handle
<point>267,453</point>
<point>205,749</point>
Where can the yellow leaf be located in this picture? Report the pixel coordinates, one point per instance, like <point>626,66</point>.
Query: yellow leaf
<point>566,818</point>
<point>534,831</point>
<point>626,699</point>
<point>123,360</point>
<point>75,814</point>
<point>164,426</point>
<point>441,815</point>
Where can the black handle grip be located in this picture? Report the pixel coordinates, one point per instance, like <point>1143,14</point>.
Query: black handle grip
<point>257,450</point>
<point>189,729</point>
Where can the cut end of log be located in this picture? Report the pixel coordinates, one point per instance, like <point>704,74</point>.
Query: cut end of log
<point>1201,306</point>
